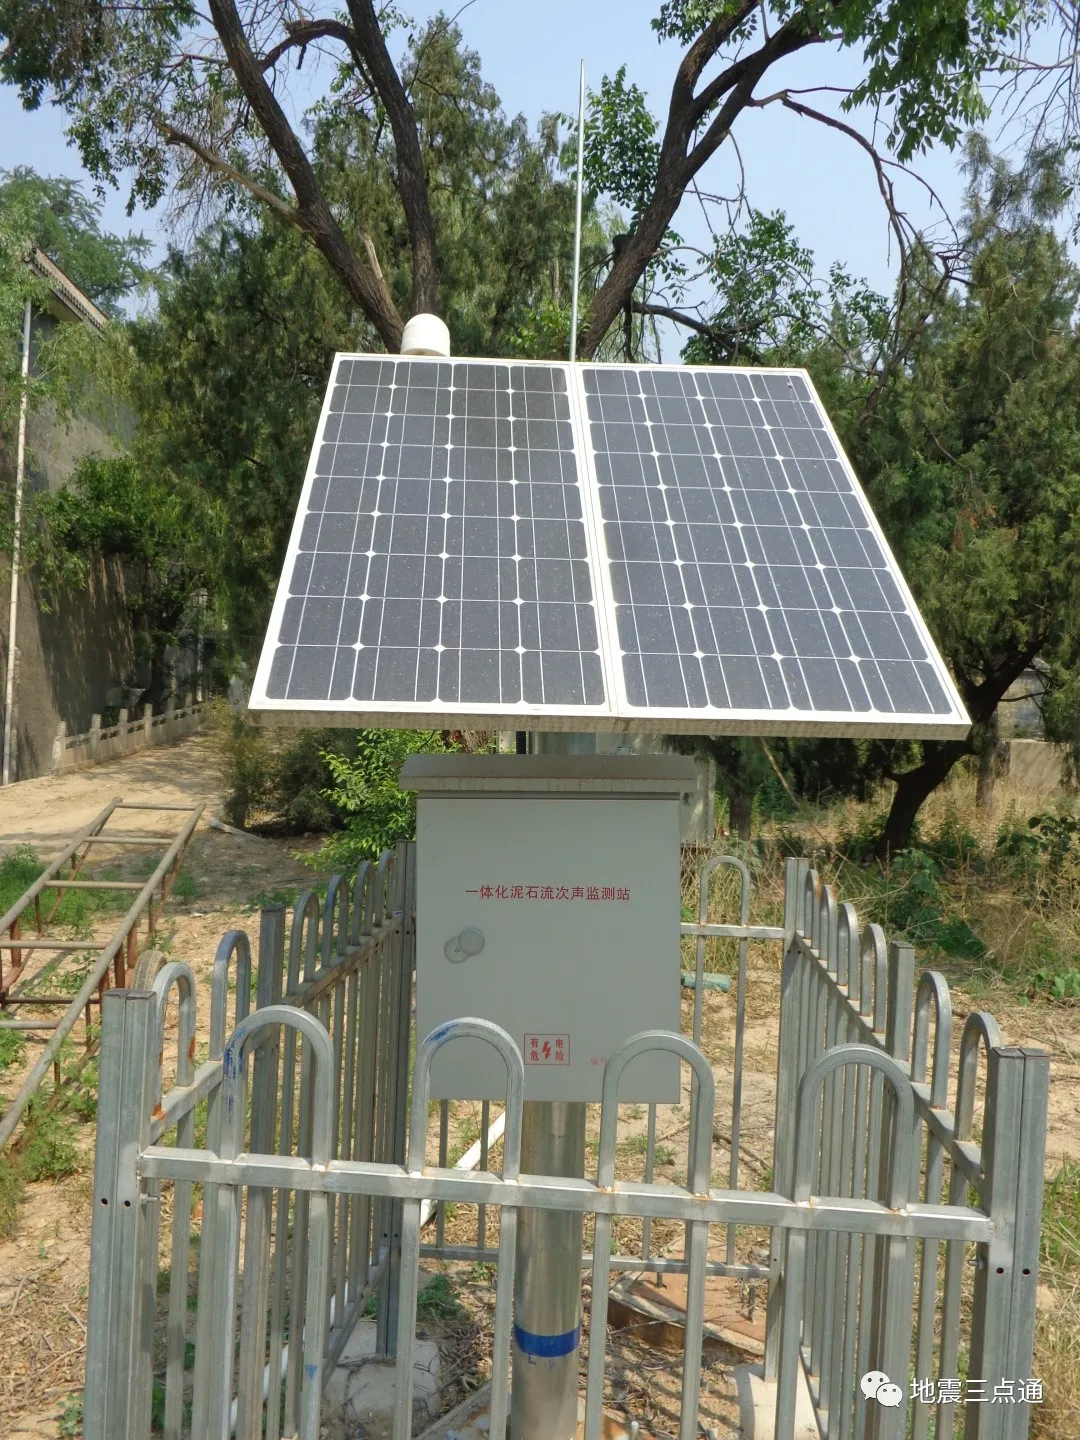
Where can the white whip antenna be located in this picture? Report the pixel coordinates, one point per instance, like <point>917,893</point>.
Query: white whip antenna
<point>577,213</point>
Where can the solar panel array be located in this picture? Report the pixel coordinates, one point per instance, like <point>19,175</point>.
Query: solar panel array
<point>677,547</point>
<point>442,556</point>
<point>745,571</point>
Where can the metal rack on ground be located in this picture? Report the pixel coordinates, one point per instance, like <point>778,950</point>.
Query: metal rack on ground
<point>28,958</point>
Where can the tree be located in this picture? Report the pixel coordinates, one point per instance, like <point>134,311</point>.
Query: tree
<point>125,508</point>
<point>181,100</point>
<point>741,769</point>
<point>971,458</point>
<point>57,216</point>
<point>72,367</point>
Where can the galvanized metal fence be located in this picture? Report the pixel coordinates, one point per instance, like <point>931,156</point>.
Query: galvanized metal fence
<point>310,1202</point>
<point>858,1119</point>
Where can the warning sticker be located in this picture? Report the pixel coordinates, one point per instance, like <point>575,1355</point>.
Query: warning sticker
<point>546,1049</point>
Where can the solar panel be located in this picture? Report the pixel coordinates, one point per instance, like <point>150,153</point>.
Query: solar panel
<point>746,572</point>
<point>440,556</point>
<point>656,548</point>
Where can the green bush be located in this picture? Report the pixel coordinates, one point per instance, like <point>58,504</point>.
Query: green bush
<point>365,789</point>
<point>282,776</point>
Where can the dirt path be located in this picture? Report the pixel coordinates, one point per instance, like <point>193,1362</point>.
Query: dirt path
<point>44,1269</point>
<point>45,813</point>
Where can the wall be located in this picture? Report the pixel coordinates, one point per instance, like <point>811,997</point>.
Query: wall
<point>72,656</point>
<point>1036,765</point>
<point>69,658</point>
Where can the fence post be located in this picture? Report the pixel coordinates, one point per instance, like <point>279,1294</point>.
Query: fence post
<point>58,748</point>
<point>1026,1244</point>
<point>122,731</point>
<point>787,1084</point>
<point>123,1248</point>
<point>893,1257</point>
<point>95,737</point>
<point>404,900</point>
<point>256,1274</point>
<point>147,722</point>
<point>996,1261</point>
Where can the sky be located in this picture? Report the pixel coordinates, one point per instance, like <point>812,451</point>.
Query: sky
<point>531,51</point>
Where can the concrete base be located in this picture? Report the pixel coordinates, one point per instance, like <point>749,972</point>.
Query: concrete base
<point>757,1406</point>
<point>363,1387</point>
<point>469,1421</point>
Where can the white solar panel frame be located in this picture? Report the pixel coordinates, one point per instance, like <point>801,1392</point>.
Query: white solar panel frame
<point>617,714</point>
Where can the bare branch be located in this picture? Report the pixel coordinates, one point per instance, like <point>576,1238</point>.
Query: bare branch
<point>731,342</point>
<point>302,32</point>
<point>220,166</point>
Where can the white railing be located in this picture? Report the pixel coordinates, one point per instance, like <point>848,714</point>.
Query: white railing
<point>100,743</point>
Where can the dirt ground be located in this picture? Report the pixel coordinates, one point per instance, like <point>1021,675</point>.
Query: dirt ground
<point>44,1269</point>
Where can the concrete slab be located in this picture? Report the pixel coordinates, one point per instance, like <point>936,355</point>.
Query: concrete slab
<point>757,1406</point>
<point>636,1299</point>
<point>363,1386</point>
<point>470,1421</point>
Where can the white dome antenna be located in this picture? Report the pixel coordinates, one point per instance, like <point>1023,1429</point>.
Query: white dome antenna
<point>426,335</point>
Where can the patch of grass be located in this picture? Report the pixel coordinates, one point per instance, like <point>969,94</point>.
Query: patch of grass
<point>1057,1335</point>
<point>184,887</point>
<point>21,867</point>
<point>286,895</point>
<point>664,1155</point>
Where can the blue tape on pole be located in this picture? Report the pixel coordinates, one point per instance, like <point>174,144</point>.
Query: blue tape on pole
<point>547,1347</point>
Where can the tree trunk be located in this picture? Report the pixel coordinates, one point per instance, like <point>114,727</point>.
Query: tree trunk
<point>912,788</point>
<point>740,810</point>
<point>989,764</point>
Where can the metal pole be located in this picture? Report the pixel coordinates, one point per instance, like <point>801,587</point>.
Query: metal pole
<point>13,606</point>
<point>577,214</point>
<point>547,1287</point>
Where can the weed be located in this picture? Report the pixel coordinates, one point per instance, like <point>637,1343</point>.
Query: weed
<point>80,1088</point>
<point>11,1189</point>
<point>1061,1220</point>
<point>77,908</point>
<point>71,1417</point>
<point>1057,1346</point>
<point>12,1049</point>
<point>438,1300</point>
<point>19,869</point>
<point>48,1152</point>
<point>1064,985</point>
<point>664,1155</point>
<point>280,895</point>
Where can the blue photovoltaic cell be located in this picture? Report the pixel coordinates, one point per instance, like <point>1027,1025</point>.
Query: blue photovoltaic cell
<point>442,552</point>
<point>744,566</point>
